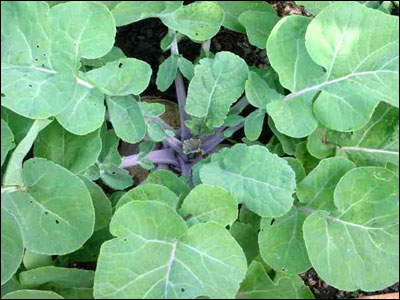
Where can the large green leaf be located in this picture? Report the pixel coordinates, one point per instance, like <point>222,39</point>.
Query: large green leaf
<point>200,21</point>
<point>18,124</point>
<point>347,245</point>
<point>258,25</point>
<point>282,244</point>
<point>167,72</point>
<point>126,12</point>
<point>7,140</point>
<point>39,79</point>
<point>233,9</point>
<point>262,181</point>
<point>54,202</point>
<point>207,203</point>
<point>258,285</point>
<point>171,181</point>
<point>122,77</point>
<point>127,119</point>
<point>73,152</point>
<point>150,192</point>
<point>217,84</point>
<point>12,248</point>
<point>317,189</point>
<point>128,268</point>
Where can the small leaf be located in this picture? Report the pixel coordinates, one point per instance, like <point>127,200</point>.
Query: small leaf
<point>297,167</point>
<point>171,181</point>
<point>200,21</point>
<point>127,119</point>
<point>207,203</point>
<point>152,109</point>
<point>258,91</point>
<point>7,141</point>
<point>186,67</point>
<point>246,236</point>
<point>155,131</point>
<point>167,72</point>
<point>254,125</point>
<point>122,77</point>
<point>115,177</point>
<point>150,192</point>
<point>34,260</point>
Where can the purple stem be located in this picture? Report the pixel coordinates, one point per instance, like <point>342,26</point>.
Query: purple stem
<point>164,124</point>
<point>240,105</point>
<point>164,156</point>
<point>186,168</point>
<point>181,95</point>
<point>175,144</point>
<point>214,141</point>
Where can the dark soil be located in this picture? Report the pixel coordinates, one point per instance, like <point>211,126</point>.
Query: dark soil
<point>142,40</point>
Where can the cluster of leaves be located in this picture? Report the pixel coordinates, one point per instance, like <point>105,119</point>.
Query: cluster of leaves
<point>210,221</point>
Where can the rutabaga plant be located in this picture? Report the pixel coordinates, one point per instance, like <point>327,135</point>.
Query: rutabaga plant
<point>210,220</point>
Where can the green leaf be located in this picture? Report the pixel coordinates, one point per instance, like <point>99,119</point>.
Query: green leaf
<point>318,145</point>
<point>126,12</point>
<point>101,203</point>
<point>13,174</point>
<point>253,125</point>
<point>246,236</point>
<point>56,203</point>
<point>122,77</point>
<point>127,119</point>
<point>114,54</point>
<point>186,67</point>
<point>167,72</point>
<point>12,248</point>
<point>207,203</point>
<point>65,281</point>
<point>309,162</point>
<point>234,9</point>
<point>314,7</point>
<point>246,216</point>
<point>258,91</point>
<point>297,167</point>
<point>200,21</point>
<point>289,144</point>
<point>152,109</point>
<point>115,177</point>
<point>128,261</point>
<point>18,124</point>
<point>150,192</point>
<point>258,25</point>
<point>156,131</point>
<point>217,84</point>
<point>171,181</point>
<point>10,286</point>
<point>378,142</point>
<point>266,189</point>
<point>346,245</point>
<point>34,260</point>
<point>86,112</point>
<point>73,152</point>
<point>282,244</point>
<point>32,294</point>
<point>258,285</point>
<point>7,140</point>
<point>109,151</point>
<point>316,190</point>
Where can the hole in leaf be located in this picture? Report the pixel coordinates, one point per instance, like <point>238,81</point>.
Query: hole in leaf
<point>37,46</point>
<point>125,240</point>
<point>57,222</point>
<point>272,222</point>
<point>120,65</point>
<point>46,213</point>
<point>182,290</point>
<point>36,59</point>
<point>31,202</point>
<point>283,270</point>
<point>30,85</point>
<point>3,95</point>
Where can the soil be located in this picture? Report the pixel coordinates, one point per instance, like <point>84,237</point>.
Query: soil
<point>142,40</point>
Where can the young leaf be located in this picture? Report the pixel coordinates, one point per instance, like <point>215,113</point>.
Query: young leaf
<point>126,12</point>
<point>258,285</point>
<point>316,190</point>
<point>101,203</point>
<point>122,77</point>
<point>217,84</point>
<point>200,21</point>
<point>33,260</point>
<point>282,244</point>
<point>12,249</point>
<point>289,144</point>
<point>56,203</point>
<point>155,131</point>
<point>207,203</point>
<point>253,125</point>
<point>171,181</point>
<point>127,119</point>
<point>151,227</point>
<point>258,91</point>
<point>167,72</point>
<point>114,54</point>
<point>258,25</point>
<point>246,236</point>
<point>32,294</point>
<point>7,140</point>
<point>266,190</point>
<point>186,67</point>
<point>150,110</point>
<point>86,112</point>
<point>150,192</point>
<point>297,167</point>
<point>115,177</point>
<point>73,152</point>
<point>346,245</point>
<point>234,9</point>
<point>318,144</point>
